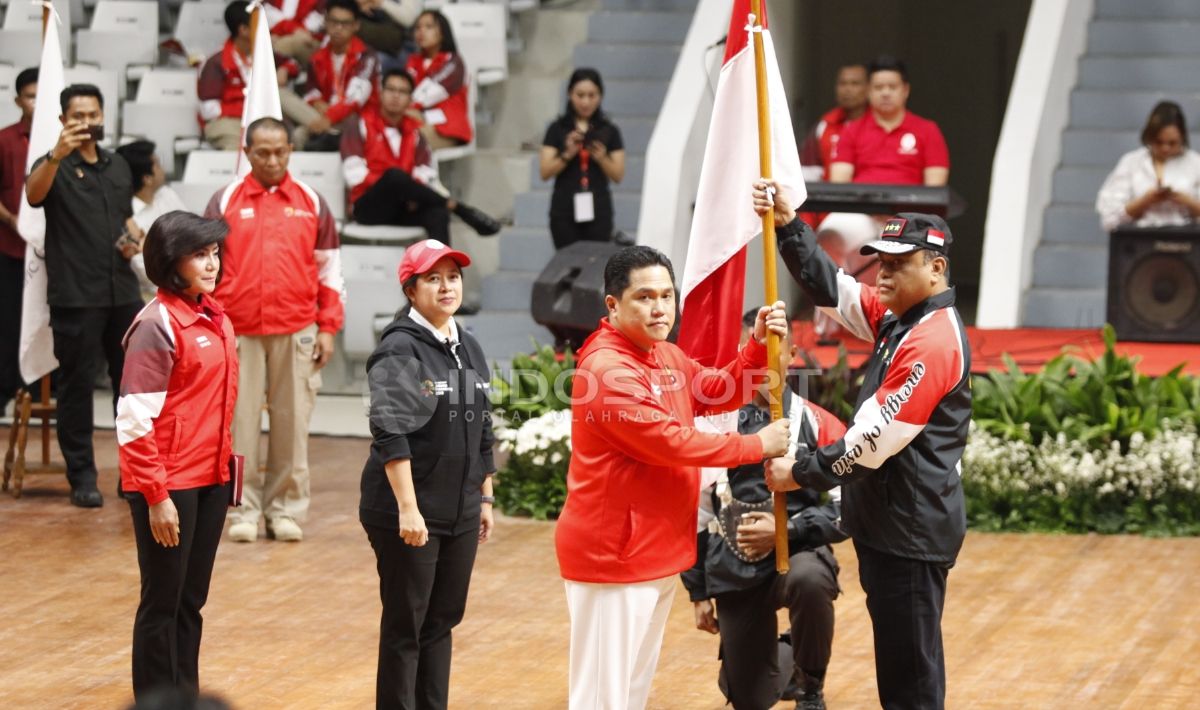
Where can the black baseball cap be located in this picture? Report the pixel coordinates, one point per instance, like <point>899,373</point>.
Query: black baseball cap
<point>909,231</point>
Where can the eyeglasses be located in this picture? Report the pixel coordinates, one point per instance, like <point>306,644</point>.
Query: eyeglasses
<point>395,90</point>
<point>330,22</point>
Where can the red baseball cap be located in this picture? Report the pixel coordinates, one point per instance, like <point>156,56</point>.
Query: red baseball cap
<point>421,257</point>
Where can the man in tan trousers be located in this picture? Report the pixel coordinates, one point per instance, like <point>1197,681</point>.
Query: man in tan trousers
<point>282,288</point>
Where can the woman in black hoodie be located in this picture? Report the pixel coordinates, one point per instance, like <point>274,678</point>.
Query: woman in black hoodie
<point>427,487</point>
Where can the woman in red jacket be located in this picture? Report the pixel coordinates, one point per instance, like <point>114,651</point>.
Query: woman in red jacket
<point>440,76</point>
<point>177,395</point>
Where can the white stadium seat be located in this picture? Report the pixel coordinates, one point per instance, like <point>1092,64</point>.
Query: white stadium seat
<point>165,111</point>
<point>123,36</point>
<point>9,113</point>
<point>21,34</point>
<point>480,30</point>
<point>201,28</point>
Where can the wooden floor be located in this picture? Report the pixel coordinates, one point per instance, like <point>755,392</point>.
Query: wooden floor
<point>1031,621</point>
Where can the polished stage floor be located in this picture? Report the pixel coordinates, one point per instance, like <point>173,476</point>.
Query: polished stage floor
<point>1032,621</point>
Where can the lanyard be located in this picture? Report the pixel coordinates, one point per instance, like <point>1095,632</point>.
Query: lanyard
<point>585,159</point>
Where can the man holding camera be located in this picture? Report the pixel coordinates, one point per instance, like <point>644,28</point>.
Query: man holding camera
<point>92,291</point>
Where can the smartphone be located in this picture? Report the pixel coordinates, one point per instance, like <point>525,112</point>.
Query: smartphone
<point>96,133</point>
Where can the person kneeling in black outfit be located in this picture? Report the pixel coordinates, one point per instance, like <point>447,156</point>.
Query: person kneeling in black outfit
<point>739,574</point>
<point>389,168</point>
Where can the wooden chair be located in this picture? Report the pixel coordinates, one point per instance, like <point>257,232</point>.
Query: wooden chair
<point>25,410</point>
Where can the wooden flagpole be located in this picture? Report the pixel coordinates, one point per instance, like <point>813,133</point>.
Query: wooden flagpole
<point>769,284</point>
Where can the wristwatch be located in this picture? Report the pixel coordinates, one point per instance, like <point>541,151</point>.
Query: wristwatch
<point>51,159</point>
<point>487,499</point>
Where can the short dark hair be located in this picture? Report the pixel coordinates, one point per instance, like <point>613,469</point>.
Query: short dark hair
<point>140,156</point>
<point>75,91</point>
<point>27,77</point>
<point>886,62</point>
<point>236,16</point>
<point>348,5</point>
<point>396,71</point>
<point>266,123</point>
<point>929,255</point>
<point>853,65</point>
<point>749,318</point>
<point>448,43</point>
<point>625,261</point>
<point>172,237</point>
<point>1165,113</point>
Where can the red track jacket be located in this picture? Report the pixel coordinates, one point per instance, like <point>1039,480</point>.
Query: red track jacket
<point>177,395</point>
<point>634,483</point>
<point>282,259</point>
<point>442,85</point>
<point>348,92</point>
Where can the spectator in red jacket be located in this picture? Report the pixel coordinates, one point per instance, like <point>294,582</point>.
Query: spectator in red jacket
<point>629,522</point>
<point>296,26</point>
<point>14,148</point>
<point>851,91</point>
<point>178,391</point>
<point>342,75</point>
<point>283,291</point>
<point>221,87</point>
<point>891,144</point>
<point>438,71</point>
<point>389,168</point>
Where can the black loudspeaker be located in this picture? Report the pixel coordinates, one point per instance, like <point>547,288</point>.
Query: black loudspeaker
<point>568,296</point>
<point>1154,284</point>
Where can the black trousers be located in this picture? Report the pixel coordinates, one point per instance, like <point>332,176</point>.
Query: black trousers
<point>400,200</point>
<point>424,595</point>
<point>83,338</point>
<point>905,598</point>
<point>565,231</point>
<point>750,630</point>
<point>12,290</point>
<point>168,625</point>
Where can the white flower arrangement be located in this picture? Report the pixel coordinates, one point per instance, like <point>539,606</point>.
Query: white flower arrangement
<point>536,436</point>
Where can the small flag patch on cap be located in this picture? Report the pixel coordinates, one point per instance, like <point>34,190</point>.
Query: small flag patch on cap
<point>894,228</point>
<point>935,236</point>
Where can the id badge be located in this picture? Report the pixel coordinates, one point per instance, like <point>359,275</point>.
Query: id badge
<point>585,207</point>
<point>435,116</point>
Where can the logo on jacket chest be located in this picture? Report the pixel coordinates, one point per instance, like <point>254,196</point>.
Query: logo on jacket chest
<point>202,341</point>
<point>430,388</point>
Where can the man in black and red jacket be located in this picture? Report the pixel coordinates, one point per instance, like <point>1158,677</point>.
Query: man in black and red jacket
<point>898,464</point>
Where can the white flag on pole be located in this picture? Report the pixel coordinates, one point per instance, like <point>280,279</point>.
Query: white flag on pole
<point>37,343</point>
<point>262,93</point>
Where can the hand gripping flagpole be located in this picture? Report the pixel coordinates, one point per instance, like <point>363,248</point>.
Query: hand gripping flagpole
<point>754,27</point>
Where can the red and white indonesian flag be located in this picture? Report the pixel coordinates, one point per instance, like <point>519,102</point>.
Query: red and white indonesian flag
<point>37,342</point>
<point>262,93</point>
<point>724,221</point>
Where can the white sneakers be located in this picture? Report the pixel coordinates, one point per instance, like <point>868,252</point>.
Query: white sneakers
<point>243,532</point>
<point>284,530</point>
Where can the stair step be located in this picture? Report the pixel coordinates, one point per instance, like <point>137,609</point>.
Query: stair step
<point>1148,9</point>
<point>508,290</point>
<point>1092,108</point>
<point>633,96</point>
<point>504,334</point>
<point>1078,185</point>
<point>638,26</point>
<point>1070,266</point>
<point>629,61</point>
<point>525,249</point>
<point>1072,224</point>
<point>688,6</point>
<point>1064,308</point>
<point>532,209</point>
<point>1133,37</point>
<point>1170,74</point>
<point>1095,147</point>
<point>635,170</point>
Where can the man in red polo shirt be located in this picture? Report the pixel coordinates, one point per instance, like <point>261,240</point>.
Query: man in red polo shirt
<point>851,92</point>
<point>890,144</point>
<point>14,148</point>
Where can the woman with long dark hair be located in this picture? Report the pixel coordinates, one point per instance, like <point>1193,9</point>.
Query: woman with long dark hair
<point>426,488</point>
<point>441,80</point>
<point>1158,184</point>
<point>178,390</point>
<point>583,152</point>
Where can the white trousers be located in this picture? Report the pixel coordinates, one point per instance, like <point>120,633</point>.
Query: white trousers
<point>616,634</point>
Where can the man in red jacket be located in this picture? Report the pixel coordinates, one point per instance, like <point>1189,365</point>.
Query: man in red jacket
<point>282,290</point>
<point>629,522</point>
<point>342,75</point>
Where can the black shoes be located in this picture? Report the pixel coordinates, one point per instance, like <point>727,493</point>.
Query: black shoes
<point>483,224</point>
<point>86,497</point>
